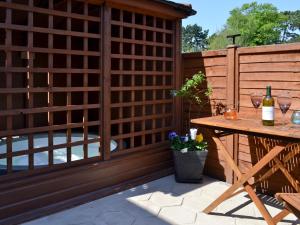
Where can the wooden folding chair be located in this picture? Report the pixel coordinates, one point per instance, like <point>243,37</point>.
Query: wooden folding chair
<point>291,203</point>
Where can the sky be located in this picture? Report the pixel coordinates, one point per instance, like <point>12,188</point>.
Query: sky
<point>212,14</point>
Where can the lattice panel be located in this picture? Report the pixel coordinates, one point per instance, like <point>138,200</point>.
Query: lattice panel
<point>50,68</point>
<point>142,72</point>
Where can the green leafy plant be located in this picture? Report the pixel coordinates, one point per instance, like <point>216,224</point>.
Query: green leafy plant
<point>185,143</point>
<point>194,91</point>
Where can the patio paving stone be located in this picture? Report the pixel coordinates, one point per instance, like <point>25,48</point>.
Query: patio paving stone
<point>178,215</point>
<point>197,203</point>
<point>148,206</point>
<point>162,199</point>
<point>204,219</point>
<point>165,202</point>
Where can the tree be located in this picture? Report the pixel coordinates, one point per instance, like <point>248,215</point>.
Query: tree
<point>194,38</point>
<point>218,40</point>
<point>258,24</point>
<point>291,29</point>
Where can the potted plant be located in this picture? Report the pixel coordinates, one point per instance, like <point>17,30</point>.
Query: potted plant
<point>189,157</point>
<point>190,151</point>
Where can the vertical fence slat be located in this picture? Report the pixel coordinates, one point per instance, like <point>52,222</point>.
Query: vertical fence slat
<point>8,64</point>
<point>50,86</point>
<point>69,84</point>
<point>178,79</point>
<point>30,58</point>
<point>85,84</point>
<point>106,71</point>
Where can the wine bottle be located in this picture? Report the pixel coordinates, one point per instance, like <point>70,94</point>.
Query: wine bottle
<point>268,112</point>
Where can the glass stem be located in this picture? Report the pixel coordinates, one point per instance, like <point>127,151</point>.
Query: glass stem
<point>283,119</point>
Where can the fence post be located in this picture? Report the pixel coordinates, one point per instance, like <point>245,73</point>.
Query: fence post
<point>178,120</point>
<point>106,73</point>
<point>232,141</point>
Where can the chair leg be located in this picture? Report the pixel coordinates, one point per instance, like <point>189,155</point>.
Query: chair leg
<point>261,207</point>
<point>280,216</point>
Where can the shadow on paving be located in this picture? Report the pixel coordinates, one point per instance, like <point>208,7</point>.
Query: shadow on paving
<point>161,202</point>
<point>267,200</point>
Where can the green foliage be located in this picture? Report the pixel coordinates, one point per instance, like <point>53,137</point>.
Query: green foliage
<point>194,38</point>
<point>258,24</point>
<point>291,29</point>
<point>178,144</point>
<point>219,41</point>
<point>193,89</point>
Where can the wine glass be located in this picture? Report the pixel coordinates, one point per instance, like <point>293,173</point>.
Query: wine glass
<point>284,101</point>
<point>256,99</point>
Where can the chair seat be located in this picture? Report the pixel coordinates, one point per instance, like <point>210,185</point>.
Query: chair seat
<point>291,201</point>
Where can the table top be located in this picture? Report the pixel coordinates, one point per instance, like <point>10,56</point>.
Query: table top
<point>249,126</point>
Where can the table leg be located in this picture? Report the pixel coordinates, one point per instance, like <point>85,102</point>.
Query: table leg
<point>225,153</point>
<point>242,179</point>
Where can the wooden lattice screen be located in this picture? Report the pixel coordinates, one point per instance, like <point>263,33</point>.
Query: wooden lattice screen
<point>142,65</point>
<point>52,101</point>
<point>50,82</point>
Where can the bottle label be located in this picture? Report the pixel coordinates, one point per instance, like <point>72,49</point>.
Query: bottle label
<point>268,113</point>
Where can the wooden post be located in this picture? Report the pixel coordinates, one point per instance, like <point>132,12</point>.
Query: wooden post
<point>232,97</point>
<point>50,91</point>
<point>9,98</point>
<point>178,78</point>
<point>106,81</point>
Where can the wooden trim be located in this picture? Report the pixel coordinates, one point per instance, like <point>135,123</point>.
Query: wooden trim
<point>106,81</point>
<point>46,109</point>
<point>85,84</point>
<point>50,50</point>
<point>49,11</point>
<point>46,70</point>
<point>50,85</point>
<point>211,53</point>
<point>69,84</point>
<point>231,102</point>
<point>50,148</point>
<point>142,42</point>
<point>9,119</point>
<point>178,78</point>
<point>237,105</point>
<point>143,27</point>
<point>269,48</point>
<point>48,30</point>
<point>30,101</point>
<point>147,8</point>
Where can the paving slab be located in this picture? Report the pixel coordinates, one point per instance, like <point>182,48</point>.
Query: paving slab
<point>165,202</point>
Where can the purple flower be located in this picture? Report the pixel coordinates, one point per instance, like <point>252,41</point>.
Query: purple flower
<point>172,135</point>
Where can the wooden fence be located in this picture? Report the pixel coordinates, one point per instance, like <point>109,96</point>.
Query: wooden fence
<point>84,85</point>
<point>234,74</point>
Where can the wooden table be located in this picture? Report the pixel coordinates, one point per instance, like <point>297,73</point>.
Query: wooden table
<point>218,126</point>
